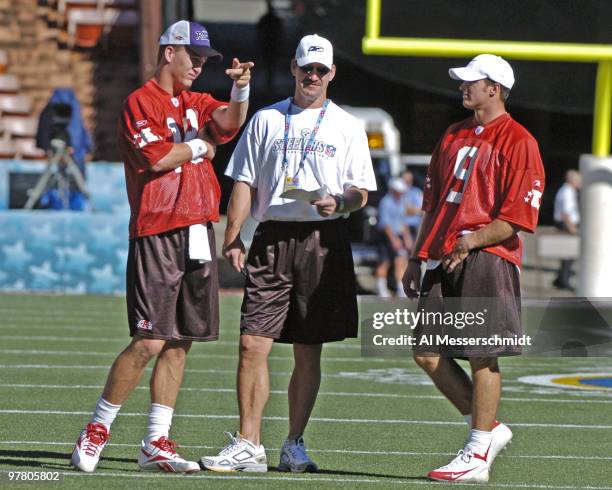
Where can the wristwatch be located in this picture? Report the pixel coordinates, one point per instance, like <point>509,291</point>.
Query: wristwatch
<point>339,198</point>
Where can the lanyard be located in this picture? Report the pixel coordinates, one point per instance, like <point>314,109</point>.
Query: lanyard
<point>307,147</point>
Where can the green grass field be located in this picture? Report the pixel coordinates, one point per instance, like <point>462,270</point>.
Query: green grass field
<point>377,422</point>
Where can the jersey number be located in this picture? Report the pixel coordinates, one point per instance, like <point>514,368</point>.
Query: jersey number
<point>464,164</point>
<point>191,119</point>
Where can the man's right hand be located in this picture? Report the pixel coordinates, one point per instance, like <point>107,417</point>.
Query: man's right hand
<point>234,252</point>
<point>210,144</point>
<point>412,279</point>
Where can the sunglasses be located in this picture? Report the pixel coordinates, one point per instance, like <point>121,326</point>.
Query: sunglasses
<point>319,70</point>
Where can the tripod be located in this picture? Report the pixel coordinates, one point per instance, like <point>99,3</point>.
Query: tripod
<point>60,167</point>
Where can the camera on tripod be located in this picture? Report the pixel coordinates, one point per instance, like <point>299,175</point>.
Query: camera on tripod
<point>62,184</point>
<point>60,118</point>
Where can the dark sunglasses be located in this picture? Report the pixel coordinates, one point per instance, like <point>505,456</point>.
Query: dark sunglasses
<point>319,70</point>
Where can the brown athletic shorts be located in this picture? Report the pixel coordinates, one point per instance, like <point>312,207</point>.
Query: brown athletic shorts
<point>485,285</point>
<point>169,296</point>
<point>300,284</point>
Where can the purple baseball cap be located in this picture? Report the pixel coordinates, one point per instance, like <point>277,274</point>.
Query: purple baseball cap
<point>190,34</point>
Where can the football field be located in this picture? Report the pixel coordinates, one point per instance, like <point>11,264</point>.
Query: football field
<point>377,423</point>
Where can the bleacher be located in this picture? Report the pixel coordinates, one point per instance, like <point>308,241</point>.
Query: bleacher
<point>48,44</point>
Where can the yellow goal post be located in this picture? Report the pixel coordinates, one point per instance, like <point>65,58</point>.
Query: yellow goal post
<point>374,44</point>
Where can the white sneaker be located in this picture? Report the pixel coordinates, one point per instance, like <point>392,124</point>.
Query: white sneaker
<point>160,455</point>
<point>293,457</point>
<point>88,448</point>
<point>466,467</point>
<point>501,437</point>
<point>238,455</point>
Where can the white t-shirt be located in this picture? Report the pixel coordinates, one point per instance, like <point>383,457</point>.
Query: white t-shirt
<point>340,159</point>
<point>566,202</point>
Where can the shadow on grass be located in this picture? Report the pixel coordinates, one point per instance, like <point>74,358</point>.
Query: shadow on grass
<point>272,469</point>
<point>19,458</point>
<point>61,461</point>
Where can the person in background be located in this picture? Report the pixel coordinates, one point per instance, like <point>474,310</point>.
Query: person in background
<point>395,242</point>
<point>567,219</point>
<point>61,119</point>
<point>414,200</point>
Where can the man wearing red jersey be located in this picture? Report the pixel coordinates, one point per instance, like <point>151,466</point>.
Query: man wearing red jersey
<point>484,185</point>
<point>167,138</point>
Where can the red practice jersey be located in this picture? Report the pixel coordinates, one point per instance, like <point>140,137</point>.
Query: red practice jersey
<point>151,122</point>
<point>478,174</point>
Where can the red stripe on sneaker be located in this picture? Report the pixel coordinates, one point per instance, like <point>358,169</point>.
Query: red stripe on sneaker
<point>165,467</point>
<point>483,457</point>
<point>448,475</point>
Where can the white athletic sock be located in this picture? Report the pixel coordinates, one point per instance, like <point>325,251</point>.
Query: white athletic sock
<point>479,441</point>
<point>160,419</point>
<point>105,413</point>
<point>381,285</point>
<point>468,420</point>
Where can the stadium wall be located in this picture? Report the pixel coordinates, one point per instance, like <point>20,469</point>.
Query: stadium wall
<point>65,251</point>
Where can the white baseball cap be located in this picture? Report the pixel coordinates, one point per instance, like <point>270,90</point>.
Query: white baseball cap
<point>190,34</point>
<point>314,49</point>
<point>397,184</point>
<point>485,66</point>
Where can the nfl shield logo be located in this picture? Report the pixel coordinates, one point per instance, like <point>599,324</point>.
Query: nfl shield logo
<point>330,150</point>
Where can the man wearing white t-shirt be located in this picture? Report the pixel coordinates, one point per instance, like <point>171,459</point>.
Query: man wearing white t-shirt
<point>567,219</point>
<point>301,166</point>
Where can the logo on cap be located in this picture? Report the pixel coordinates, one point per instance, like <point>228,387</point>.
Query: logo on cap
<point>201,36</point>
<point>178,37</point>
<point>317,49</point>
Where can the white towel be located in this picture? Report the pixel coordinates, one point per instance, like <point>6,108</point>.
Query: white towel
<point>199,248</point>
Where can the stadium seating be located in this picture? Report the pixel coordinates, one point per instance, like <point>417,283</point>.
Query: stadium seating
<point>78,44</point>
<point>15,105</point>
<point>20,127</point>
<point>7,149</point>
<point>25,148</point>
<point>87,26</point>
<point>3,61</point>
<point>9,84</point>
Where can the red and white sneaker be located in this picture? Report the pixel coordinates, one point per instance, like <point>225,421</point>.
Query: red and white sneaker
<point>501,435</point>
<point>88,448</point>
<point>466,467</point>
<point>161,455</point>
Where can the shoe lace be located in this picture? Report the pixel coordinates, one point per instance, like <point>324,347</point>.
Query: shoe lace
<point>165,444</point>
<point>95,437</point>
<point>465,455</point>
<point>297,449</point>
<point>234,441</point>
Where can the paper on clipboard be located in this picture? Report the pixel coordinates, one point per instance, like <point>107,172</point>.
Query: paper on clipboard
<point>302,195</point>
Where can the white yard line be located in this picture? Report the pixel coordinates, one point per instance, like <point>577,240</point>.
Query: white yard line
<point>187,370</point>
<point>355,359</point>
<point>38,352</point>
<point>333,451</point>
<point>308,479</point>
<point>322,393</point>
<point>313,419</point>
